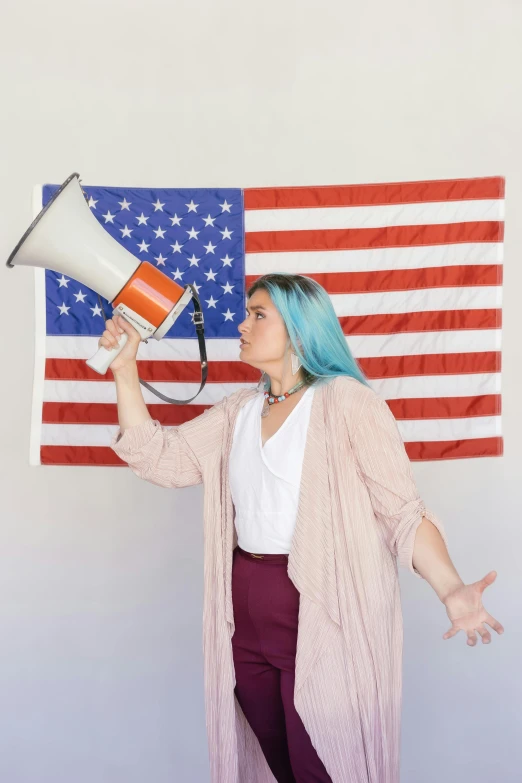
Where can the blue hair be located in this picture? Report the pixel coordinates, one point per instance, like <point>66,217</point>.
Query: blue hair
<point>313,327</point>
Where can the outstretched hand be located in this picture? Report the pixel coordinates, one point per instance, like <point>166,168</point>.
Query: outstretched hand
<point>466,612</point>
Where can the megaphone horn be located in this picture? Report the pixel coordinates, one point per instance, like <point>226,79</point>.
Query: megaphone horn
<point>66,237</point>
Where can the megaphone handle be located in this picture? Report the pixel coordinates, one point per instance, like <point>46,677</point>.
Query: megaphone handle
<point>103,358</point>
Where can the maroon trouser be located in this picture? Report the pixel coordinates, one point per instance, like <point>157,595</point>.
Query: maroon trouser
<point>266,609</point>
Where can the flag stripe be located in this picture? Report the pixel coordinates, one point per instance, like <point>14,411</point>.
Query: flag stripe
<point>424,191</point>
<point>360,238</point>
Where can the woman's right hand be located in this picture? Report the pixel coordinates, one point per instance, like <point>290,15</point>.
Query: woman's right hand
<point>114,327</point>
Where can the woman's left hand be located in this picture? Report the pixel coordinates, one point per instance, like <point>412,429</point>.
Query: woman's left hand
<point>464,609</point>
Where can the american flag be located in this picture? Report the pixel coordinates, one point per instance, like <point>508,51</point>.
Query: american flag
<point>413,270</point>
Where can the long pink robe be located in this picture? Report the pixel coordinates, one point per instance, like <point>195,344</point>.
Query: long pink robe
<point>358,512</point>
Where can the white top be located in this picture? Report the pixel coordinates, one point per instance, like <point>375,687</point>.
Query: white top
<point>265,480</point>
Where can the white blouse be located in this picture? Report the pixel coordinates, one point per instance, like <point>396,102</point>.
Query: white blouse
<point>265,480</point>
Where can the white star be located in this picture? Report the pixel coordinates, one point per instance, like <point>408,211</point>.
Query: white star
<point>176,220</point>
<point>197,287</point>
<point>209,221</point>
<point>143,246</point>
<point>95,310</point>
<point>142,219</point>
<point>177,247</point>
<point>108,217</point>
<point>92,203</point>
<point>210,247</point>
<point>177,274</point>
<point>227,289</point>
<point>192,207</point>
<point>193,260</point>
<point>228,315</point>
<point>63,281</point>
<point>125,204</point>
<point>225,208</point>
<point>158,205</point>
<point>79,296</point>
<point>63,309</point>
<point>227,261</point>
<point>126,232</point>
<point>210,275</point>
<point>160,232</point>
<point>160,260</point>
<point>211,302</point>
<point>226,233</point>
<point>193,234</point>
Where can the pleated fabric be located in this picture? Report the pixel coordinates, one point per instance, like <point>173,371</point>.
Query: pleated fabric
<point>358,512</point>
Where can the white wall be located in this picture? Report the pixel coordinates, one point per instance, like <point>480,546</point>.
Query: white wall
<point>101,574</point>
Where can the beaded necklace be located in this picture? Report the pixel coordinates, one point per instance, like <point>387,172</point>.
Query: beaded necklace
<point>271,400</point>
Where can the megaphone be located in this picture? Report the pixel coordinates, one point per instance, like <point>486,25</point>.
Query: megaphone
<point>66,237</point>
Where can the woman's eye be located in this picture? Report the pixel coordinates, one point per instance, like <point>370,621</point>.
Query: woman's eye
<point>262,316</point>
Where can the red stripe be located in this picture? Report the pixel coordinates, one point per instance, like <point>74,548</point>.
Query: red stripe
<point>430,364</point>
<point>173,415</point>
<point>432,450</point>
<point>445,407</point>
<point>455,449</point>
<point>374,194</point>
<point>432,321</point>
<point>403,279</point>
<point>367,238</point>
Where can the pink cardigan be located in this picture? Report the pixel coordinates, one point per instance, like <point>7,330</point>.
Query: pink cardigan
<point>358,512</point>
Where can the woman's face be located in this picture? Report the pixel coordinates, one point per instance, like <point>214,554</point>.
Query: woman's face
<point>265,333</point>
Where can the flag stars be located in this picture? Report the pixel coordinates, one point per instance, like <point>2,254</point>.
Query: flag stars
<point>197,287</point>
<point>211,302</point>
<point>227,289</point>
<point>193,260</point>
<point>126,232</point>
<point>63,281</point>
<point>95,311</point>
<point>160,232</point>
<point>209,221</point>
<point>63,309</point>
<point>228,315</point>
<point>92,203</point>
<point>193,234</point>
<point>176,220</point>
<point>125,204</point>
<point>210,247</point>
<point>158,205</point>
<point>108,217</point>
<point>225,207</point>
<point>144,248</point>
<point>142,220</point>
<point>160,261</point>
<point>210,275</point>
<point>80,297</point>
<point>226,233</point>
<point>176,247</point>
<point>192,207</point>
<point>226,260</point>
<point>177,275</point>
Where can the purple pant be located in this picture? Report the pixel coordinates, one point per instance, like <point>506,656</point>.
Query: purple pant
<point>266,608</point>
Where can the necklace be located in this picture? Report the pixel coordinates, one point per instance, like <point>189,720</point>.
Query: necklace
<point>271,400</point>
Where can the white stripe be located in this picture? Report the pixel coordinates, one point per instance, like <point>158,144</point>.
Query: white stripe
<point>372,260</point>
<point>422,430</point>
<point>467,384</point>
<point>39,346</point>
<point>416,300</point>
<point>361,346</point>
<point>369,216</point>
<point>105,391</point>
<point>449,429</point>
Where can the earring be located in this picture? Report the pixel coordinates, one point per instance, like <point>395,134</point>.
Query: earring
<point>296,363</point>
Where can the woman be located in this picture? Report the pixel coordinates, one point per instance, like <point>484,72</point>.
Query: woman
<point>309,504</point>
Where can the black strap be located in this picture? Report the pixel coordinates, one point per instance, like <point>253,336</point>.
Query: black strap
<point>200,332</point>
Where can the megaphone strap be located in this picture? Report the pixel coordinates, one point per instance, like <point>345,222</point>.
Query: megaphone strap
<point>200,333</point>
